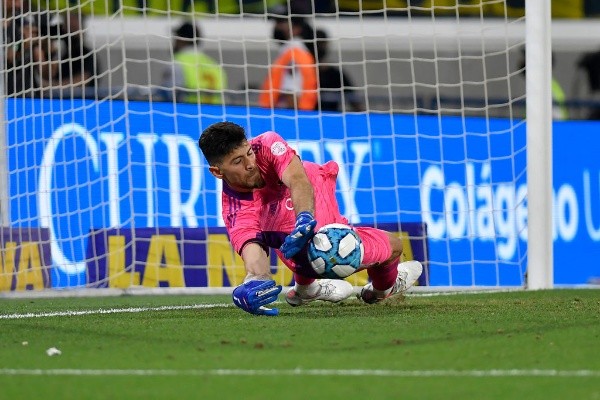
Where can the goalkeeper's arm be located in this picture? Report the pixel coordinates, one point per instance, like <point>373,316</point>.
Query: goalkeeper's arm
<point>303,199</point>
<point>258,288</point>
<point>256,261</point>
<point>301,189</point>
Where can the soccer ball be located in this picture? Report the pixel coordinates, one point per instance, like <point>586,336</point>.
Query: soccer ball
<point>335,251</point>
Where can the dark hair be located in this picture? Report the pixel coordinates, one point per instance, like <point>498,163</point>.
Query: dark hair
<point>220,139</point>
<point>187,34</point>
<point>188,30</point>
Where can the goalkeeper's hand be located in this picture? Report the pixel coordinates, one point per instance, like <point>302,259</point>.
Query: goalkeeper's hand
<point>252,296</point>
<point>302,233</point>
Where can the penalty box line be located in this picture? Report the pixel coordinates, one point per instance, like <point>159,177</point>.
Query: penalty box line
<point>306,372</point>
<point>72,313</point>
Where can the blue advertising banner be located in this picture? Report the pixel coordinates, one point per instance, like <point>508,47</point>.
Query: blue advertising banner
<point>77,166</point>
<point>576,181</point>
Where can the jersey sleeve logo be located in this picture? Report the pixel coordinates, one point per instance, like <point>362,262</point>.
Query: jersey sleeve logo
<point>278,148</point>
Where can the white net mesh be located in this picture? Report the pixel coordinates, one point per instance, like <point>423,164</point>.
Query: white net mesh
<point>422,106</point>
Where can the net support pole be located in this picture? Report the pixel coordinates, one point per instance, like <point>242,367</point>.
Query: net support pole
<point>538,47</point>
<point>4,190</point>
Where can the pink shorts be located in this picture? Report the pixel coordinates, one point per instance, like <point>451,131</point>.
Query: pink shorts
<point>376,244</point>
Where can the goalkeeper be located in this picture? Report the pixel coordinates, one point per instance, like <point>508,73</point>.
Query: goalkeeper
<point>273,200</point>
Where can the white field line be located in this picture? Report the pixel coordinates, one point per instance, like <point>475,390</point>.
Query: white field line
<point>72,313</point>
<point>414,292</point>
<point>306,372</point>
<point>268,372</point>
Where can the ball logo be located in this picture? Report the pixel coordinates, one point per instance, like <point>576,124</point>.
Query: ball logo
<point>278,148</point>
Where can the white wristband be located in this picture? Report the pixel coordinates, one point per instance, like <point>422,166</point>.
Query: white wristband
<point>252,277</point>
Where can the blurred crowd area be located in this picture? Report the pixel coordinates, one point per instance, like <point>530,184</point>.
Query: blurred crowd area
<point>44,50</point>
<point>46,55</point>
<point>513,8</point>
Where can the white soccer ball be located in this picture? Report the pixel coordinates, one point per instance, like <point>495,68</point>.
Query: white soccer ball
<point>335,251</point>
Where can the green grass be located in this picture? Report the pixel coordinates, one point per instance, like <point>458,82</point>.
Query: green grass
<point>307,352</point>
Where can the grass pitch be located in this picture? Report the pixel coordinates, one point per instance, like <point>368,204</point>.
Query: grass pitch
<point>533,345</point>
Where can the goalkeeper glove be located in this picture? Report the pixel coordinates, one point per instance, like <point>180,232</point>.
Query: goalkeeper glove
<point>252,296</point>
<point>302,233</point>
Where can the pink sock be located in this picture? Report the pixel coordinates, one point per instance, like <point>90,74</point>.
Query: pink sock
<point>302,280</point>
<point>383,277</point>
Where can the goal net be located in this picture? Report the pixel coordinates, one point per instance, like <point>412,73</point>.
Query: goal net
<point>103,185</point>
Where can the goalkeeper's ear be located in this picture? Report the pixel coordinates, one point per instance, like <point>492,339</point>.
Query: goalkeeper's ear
<point>216,171</point>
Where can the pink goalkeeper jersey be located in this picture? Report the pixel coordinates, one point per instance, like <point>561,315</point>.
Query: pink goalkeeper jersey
<point>266,216</point>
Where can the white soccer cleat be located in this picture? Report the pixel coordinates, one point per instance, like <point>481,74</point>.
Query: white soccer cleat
<point>332,290</point>
<point>408,273</point>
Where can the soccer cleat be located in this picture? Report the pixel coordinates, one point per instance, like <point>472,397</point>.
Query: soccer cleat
<point>408,273</point>
<point>332,290</point>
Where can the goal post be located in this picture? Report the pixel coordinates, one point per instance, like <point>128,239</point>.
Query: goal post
<point>539,145</point>
<point>438,134</point>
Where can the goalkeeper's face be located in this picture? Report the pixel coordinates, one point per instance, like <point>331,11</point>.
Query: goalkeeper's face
<point>239,170</point>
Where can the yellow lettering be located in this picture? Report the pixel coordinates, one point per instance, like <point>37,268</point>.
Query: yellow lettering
<point>30,273</point>
<point>407,250</point>
<point>359,278</point>
<point>221,258</point>
<point>171,272</point>
<point>8,265</point>
<point>118,276</point>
